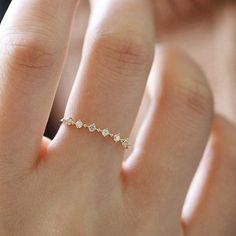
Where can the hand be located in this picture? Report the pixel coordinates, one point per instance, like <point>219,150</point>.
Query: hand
<point>76,184</point>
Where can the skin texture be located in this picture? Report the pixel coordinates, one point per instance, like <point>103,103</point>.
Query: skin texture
<point>78,183</point>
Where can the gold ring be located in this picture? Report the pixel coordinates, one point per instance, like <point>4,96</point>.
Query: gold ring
<point>79,124</point>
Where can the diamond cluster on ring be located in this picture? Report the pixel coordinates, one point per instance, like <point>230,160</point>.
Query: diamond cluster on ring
<point>93,128</point>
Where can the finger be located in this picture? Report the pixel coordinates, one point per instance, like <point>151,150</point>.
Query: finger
<point>173,137</point>
<point>210,205</point>
<point>33,44</point>
<point>70,69</point>
<point>117,58</point>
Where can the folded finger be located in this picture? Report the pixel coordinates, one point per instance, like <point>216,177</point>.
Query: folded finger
<point>173,137</point>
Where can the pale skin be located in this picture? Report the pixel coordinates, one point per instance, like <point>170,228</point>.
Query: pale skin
<point>78,184</point>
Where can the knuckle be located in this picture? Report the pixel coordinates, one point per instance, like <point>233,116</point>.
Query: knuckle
<point>122,52</point>
<point>32,55</point>
<point>28,54</point>
<point>199,97</point>
<point>189,83</point>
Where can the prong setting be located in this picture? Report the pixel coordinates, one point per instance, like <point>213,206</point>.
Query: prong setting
<point>92,128</point>
<point>105,132</point>
<point>79,124</point>
<point>117,138</point>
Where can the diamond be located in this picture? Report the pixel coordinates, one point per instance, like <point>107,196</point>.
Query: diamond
<point>116,138</point>
<point>79,124</point>
<point>105,132</point>
<point>92,127</point>
<point>70,121</point>
<point>125,143</point>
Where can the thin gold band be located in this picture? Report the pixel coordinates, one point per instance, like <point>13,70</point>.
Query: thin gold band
<point>92,128</point>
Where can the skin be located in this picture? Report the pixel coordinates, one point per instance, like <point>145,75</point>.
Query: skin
<point>205,30</point>
<point>78,184</point>
<point>208,37</point>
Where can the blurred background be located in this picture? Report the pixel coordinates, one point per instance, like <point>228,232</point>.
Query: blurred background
<point>4,5</point>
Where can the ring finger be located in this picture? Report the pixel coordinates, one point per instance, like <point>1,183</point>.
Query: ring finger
<point>116,61</point>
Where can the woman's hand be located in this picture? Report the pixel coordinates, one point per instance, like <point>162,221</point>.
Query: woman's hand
<point>76,184</point>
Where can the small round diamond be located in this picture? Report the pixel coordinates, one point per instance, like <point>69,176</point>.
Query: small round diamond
<point>79,124</point>
<point>116,138</point>
<point>125,143</point>
<point>92,127</point>
<point>105,132</point>
<point>70,121</point>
